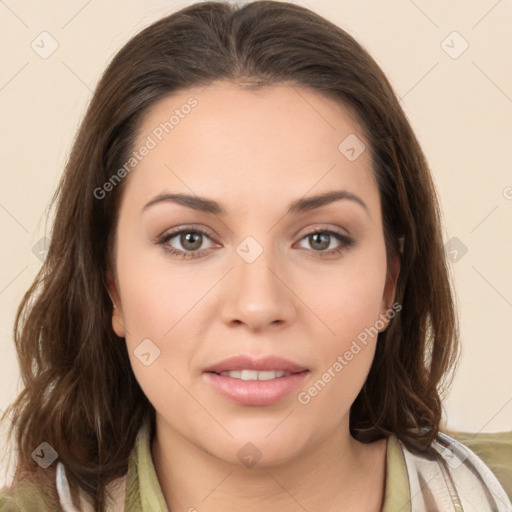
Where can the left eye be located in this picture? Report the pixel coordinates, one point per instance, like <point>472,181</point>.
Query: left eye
<point>323,241</point>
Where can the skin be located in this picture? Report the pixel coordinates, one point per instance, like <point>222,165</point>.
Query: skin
<point>254,152</point>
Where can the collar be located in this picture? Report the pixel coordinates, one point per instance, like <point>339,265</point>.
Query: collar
<point>453,480</point>
<point>148,494</point>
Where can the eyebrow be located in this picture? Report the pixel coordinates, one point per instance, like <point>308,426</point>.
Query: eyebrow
<point>205,205</point>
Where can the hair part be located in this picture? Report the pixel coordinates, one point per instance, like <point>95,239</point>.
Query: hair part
<point>80,394</point>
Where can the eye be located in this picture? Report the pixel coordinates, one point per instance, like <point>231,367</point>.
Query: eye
<point>327,242</point>
<point>190,240</point>
<point>187,243</point>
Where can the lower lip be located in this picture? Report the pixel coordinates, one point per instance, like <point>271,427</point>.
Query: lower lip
<point>256,392</point>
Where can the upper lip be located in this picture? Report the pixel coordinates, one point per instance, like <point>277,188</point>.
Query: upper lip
<point>244,362</point>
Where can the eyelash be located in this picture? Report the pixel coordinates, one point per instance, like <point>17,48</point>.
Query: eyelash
<point>346,243</point>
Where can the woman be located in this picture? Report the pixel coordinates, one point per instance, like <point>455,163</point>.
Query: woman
<point>310,322</point>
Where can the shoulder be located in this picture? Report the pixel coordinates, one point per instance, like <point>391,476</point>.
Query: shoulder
<point>23,498</point>
<point>31,491</point>
<point>494,449</point>
<point>453,475</point>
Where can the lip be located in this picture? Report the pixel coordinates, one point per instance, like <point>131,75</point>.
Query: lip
<point>266,363</point>
<point>255,392</point>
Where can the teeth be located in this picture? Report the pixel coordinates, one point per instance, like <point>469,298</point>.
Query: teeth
<point>254,374</point>
<point>249,375</point>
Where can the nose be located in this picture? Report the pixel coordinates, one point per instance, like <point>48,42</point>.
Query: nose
<point>257,295</point>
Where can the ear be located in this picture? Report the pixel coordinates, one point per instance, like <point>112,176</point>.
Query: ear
<point>118,324</point>
<point>388,296</point>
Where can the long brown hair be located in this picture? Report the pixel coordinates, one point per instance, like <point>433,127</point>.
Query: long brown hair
<point>80,394</point>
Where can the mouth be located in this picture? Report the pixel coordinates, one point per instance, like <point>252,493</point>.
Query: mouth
<point>255,374</point>
<point>255,382</point>
<point>251,366</point>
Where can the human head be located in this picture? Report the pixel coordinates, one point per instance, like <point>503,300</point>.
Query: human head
<point>64,332</point>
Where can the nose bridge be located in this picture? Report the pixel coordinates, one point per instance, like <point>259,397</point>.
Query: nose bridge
<point>257,297</point>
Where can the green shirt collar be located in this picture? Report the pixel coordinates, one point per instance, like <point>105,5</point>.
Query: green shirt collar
<point>143,491</point>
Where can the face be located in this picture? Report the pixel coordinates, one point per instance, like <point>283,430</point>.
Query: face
<point>250,303</point>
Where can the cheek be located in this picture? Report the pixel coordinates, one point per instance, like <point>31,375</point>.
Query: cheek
<point>155,301</point>
<point>154,311</point>
<point>349,299</point>
<point>155,294</point>
<point>350,304</point>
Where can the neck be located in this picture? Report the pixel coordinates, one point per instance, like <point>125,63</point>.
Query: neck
<point>339,470</point>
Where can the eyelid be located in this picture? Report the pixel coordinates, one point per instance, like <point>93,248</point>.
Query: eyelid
<point>308,230</point>
<point>192,228</point>
<point>344,241</point>
<point>314,228</point>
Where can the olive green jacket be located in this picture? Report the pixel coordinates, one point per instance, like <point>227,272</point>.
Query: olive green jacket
<point>457,480</point>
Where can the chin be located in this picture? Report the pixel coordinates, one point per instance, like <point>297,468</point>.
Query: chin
<point>261,450</point>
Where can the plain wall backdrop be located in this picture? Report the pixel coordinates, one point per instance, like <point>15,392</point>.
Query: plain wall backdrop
<point>450,64</point>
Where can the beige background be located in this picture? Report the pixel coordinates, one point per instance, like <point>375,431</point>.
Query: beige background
<point>460,108</point>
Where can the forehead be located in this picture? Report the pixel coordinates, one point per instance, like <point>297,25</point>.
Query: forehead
<point>274,140</point>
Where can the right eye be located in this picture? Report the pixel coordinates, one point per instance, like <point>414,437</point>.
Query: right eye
<point>190,240</point>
